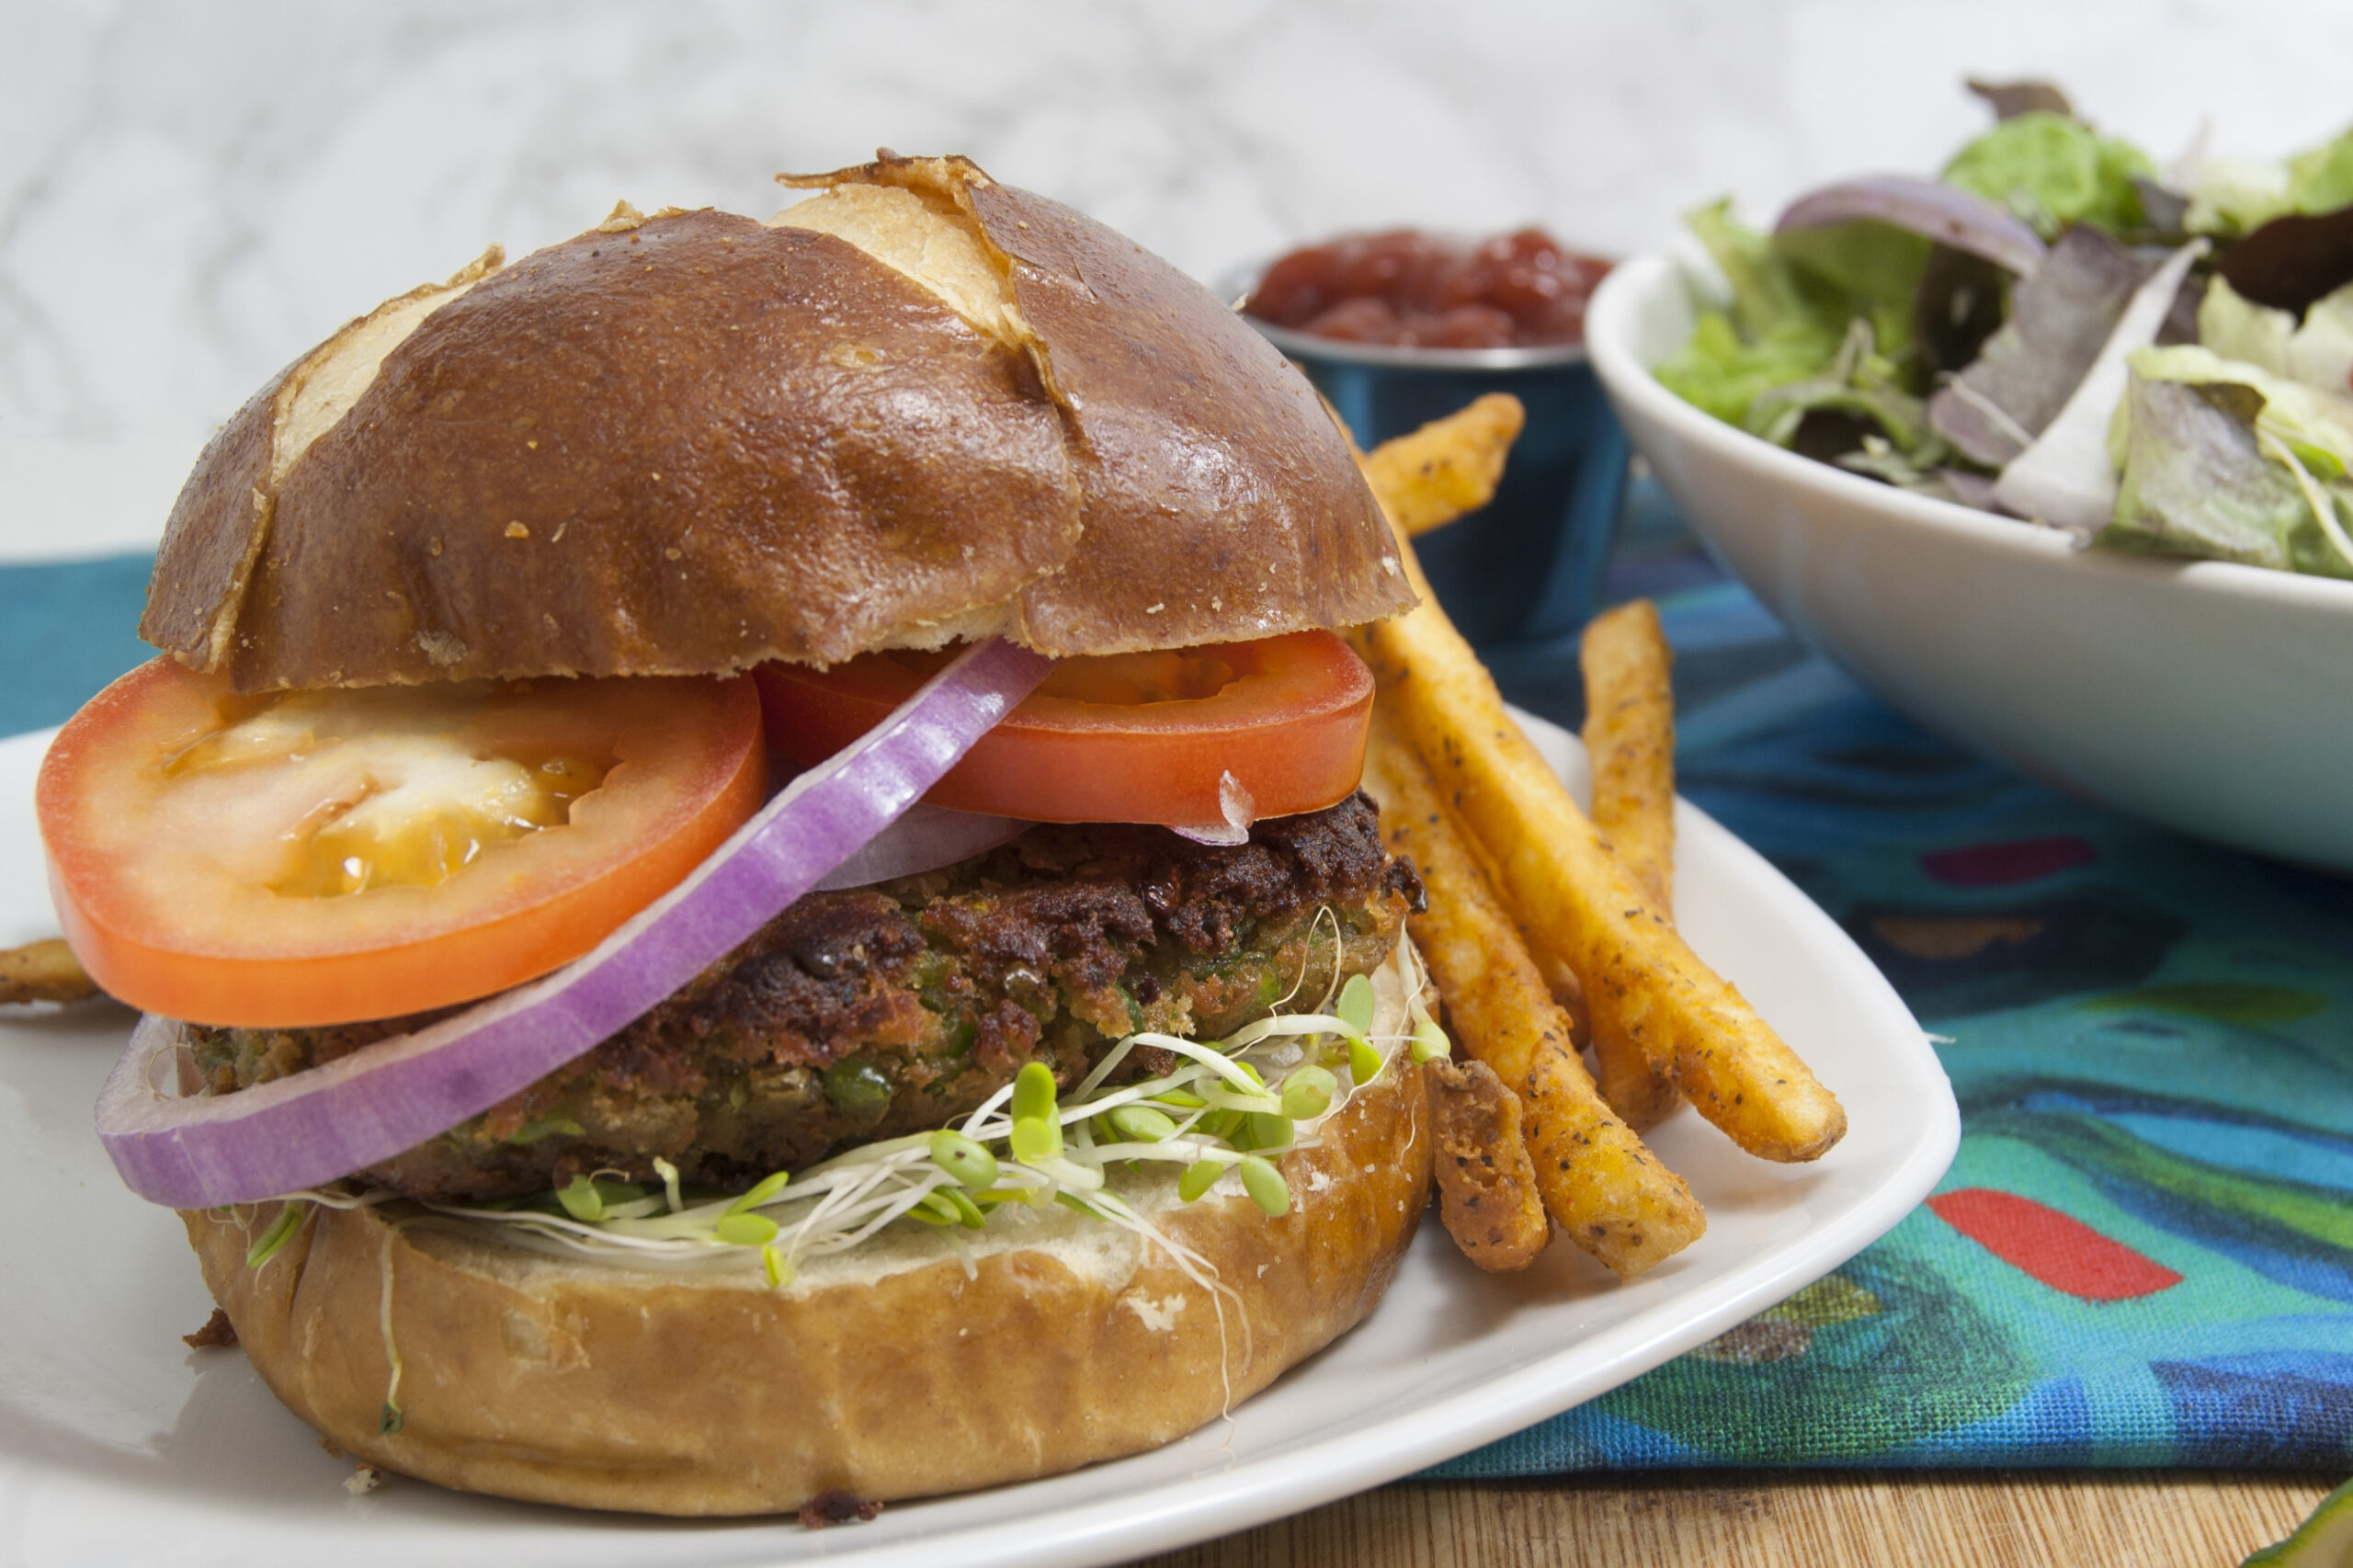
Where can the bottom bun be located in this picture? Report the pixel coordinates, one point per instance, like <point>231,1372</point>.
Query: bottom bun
<point>886,1373</point>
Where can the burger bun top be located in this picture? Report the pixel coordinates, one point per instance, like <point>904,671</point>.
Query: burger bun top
<point>918,406</point>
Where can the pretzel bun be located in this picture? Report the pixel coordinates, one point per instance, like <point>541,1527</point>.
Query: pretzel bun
<point>885,1373</point>
<point>917,406</point>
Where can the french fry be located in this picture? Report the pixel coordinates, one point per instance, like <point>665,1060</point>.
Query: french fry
<point>1629,743</point>
<point>1609,1194</point>
<point>1630,740</point>
<point>1486,1184</point>
<point>1446,468</point>
<point>1644,988</point>
<point>43,971</point>
<point>1643,1094</point>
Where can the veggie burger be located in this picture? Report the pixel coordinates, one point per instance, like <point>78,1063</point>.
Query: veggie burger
<point>561,1109</point>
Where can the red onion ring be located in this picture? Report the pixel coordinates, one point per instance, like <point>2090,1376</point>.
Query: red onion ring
<point>1240,811</point>
<point>342,1116</point>
<point>927,838</point>
<point>1945,214</point>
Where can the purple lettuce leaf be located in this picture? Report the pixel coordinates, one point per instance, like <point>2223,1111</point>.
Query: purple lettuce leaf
<point>2011,99</point>
<point>2067,480</point>
<point>2290,262</point>
<point>2059,317</point>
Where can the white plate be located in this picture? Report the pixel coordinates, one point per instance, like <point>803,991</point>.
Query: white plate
<point>2196,693</point>
<point>119,1445</point>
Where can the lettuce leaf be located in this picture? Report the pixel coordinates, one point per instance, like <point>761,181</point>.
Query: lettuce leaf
<point>2194,482</point>
<point>1775,353</point>
<point>1765,294</point>
<point>1721,372</point>
<point>1773,334</point>
<point>1857,381</point>
<point>2236,328</point>
<point>2231,197</point>
<point>2224,459</point>
<point>2317,351</point>
<point>1928,474</point>
<point>2010,99</point>
<point>2316,425</point>
<point>2321,354</point>
<point>2322,179</point>
<point>1866,270</point>
<point>2053,171</point>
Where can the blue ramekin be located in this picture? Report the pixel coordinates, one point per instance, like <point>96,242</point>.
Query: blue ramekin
<point>1519,577</point>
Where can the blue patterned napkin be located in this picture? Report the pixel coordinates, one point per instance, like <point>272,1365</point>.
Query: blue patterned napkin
<point>66,629</point>
<point>2143,1255</point>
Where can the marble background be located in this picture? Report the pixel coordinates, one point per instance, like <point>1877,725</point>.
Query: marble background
<point>193,192</point>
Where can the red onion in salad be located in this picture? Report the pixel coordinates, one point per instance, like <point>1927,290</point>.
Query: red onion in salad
<point>341,1116</point>
<point>1931,209</point>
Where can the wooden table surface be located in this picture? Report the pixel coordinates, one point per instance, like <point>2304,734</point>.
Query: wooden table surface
<point>2013,1519</point>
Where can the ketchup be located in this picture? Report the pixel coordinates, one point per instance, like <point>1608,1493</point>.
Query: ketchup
<point>1418,290</point>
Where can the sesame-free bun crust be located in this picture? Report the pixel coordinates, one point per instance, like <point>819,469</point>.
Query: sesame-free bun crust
<point>886,1374</point>
<point>918,406</point>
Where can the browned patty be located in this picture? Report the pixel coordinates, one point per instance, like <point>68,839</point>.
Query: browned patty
<point>863,1014</point>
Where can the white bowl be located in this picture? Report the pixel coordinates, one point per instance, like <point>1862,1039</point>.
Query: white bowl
<point>2213,698</point>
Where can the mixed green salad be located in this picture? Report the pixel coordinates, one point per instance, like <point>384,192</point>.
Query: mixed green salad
<point>2055,330</point>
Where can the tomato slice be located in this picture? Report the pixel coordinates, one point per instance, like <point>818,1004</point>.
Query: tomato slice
<point>1130,737</point>
<point>326,857</point>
